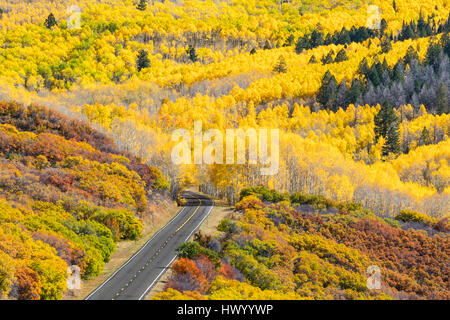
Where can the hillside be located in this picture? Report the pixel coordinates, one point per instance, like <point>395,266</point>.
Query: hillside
<point>280,246</point>
<point>67,196</point>
<point>108,104</point>
<point>266,66</point>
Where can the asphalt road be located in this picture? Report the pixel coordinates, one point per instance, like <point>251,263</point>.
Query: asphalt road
<point>136,277</point>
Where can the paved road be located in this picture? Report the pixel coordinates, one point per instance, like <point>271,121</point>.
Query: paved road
<point>137,276</point>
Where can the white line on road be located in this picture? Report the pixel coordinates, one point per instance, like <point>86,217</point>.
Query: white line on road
<point>106,281</point>
<point>157,278</point>
<point>200,222</point>
<point>171,261</point>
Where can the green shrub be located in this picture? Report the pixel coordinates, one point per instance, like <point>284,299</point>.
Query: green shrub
<point>229,226</point>
<point>413,216</point>
<point>192,250</point>
<point>122,223</point>
<point>317,201</point>
<point>264,193</point>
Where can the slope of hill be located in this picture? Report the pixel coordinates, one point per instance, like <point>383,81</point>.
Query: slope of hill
<point>324,100</point>
<point>359,92</point>
<point>280,246</point>
<point>67,195</point>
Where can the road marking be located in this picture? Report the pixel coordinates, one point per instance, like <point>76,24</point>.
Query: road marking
<point>200,222</point>
<point>107,280</point>
<point>171,261</point>
<point>156,254</point>
<point>189,218</point>
<point>166,242</point>
<point>157,278</point>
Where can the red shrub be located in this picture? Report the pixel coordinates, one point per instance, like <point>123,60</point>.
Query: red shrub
<point>49,146</point>
<point>65,249</point>
<point>57,177</point>
<point>187,277</point>
<point>27,285</point>
<point>206,267</point>
<point>227,271</point>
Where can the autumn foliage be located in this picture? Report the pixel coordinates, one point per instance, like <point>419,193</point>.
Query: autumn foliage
<point>362,114</point>
<point>67,195</point>
<point>314,248</point>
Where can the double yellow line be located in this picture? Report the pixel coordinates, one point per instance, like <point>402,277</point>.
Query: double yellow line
<point>190,216</point>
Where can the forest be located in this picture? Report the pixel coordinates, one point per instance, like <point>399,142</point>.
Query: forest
<point>92,91</point>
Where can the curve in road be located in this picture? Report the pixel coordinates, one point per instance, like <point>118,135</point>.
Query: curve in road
<point>134,279</point>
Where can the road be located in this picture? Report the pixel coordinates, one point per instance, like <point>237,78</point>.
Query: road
<point>137,276</point>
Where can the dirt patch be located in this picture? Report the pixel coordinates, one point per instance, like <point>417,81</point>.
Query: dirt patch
<point>209,226</point>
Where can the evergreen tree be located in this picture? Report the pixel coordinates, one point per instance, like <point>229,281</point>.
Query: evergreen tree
<point>425,137</point>
<point>423,28</point>
<point>302,44</point>
<point>253,51</point>
<point>50,21</point>
<point>289,41</point>
<point>362,34</point>
<point>386,45</point>
<point>442,99</point>
<point>341,56</point>
<point>411,54</point>
<point>192,53</point>
<point>433,53</point>
<point>374,74</point>
<point>329,39</point>
<point>383,26</point>
<point>363,68</point>
<point>387,126</point>
<point>392,144</point>
<point>385,66</point>
<point>341,96</point>
<point>328,58</point>
<point>328,91</point>
<point>398,73</point>
<point>316,39</point>
<point>343,37</point>
<point>407,33</point>
<point>313,59</point>
<point>445,43</point>
<point>142,60</point>
<point>280,67</point>
<point>446,26</point>
<point>355,92</point>
<point>142,5</point>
